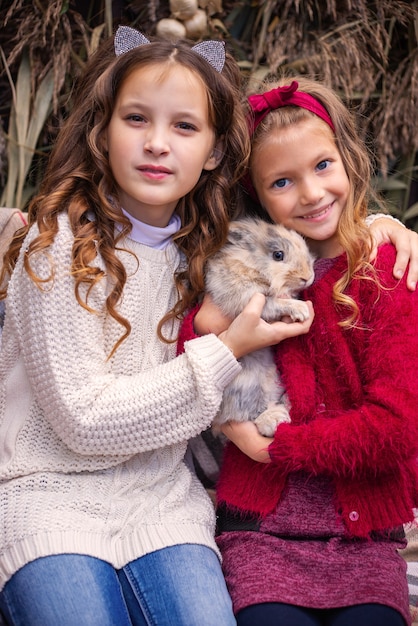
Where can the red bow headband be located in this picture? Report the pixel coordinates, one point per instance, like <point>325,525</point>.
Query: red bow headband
<point>262,104</point>
<point>281,97</point>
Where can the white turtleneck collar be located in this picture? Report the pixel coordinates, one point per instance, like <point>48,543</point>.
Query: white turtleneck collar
<point>153,236</point>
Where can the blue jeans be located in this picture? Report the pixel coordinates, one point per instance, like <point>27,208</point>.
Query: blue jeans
<point>178,586</point>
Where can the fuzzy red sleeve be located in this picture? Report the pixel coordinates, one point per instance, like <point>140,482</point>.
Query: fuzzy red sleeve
<point>187,329</point>
<point>377,434</point>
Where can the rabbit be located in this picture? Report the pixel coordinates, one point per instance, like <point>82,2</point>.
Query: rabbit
<point>271,259</point>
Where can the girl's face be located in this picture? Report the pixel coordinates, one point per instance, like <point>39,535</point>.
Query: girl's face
<point>159,140</point>
<point>301,182</point>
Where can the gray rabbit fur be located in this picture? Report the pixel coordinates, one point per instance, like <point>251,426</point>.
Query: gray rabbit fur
<point>266,258</point>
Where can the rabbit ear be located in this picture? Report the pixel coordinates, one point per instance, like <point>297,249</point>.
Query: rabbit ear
<point>236,231</point>
<point>246,225</point>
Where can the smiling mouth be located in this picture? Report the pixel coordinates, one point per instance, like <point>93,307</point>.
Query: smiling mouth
<point>317,214</point>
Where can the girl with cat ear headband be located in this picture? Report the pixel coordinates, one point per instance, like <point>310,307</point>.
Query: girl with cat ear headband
<point>103,521</point>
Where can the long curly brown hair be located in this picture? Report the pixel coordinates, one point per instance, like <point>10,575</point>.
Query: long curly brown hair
<point>79,180</point>
<point>353,233</point>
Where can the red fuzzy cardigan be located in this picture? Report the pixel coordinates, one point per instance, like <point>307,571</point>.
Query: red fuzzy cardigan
<point>354,407</point>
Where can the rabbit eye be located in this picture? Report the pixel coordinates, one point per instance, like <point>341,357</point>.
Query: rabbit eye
<point>278,255</point>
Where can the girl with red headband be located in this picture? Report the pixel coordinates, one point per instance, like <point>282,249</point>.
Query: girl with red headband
<point>310,521</point>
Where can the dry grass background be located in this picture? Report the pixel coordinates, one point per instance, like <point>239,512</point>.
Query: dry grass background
<point>366,50</point>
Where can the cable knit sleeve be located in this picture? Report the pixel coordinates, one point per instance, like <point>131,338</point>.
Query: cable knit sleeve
<point>97,406</point>
<point>354,401</point>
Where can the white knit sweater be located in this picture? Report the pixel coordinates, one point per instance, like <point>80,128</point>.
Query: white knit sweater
<point>92,450</point>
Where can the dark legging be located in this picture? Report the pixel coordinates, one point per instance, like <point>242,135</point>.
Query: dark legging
<point>277,614</point>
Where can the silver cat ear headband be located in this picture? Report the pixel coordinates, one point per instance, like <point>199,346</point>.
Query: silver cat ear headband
<point>127,38</point>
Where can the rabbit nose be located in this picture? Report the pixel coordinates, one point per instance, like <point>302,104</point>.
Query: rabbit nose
<point>306,282</point>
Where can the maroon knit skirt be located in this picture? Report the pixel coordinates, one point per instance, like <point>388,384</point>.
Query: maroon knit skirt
<point>299,555</point>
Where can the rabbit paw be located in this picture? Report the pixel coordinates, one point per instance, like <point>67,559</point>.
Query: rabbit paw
<point>299,311</point>
<point>268,421</point>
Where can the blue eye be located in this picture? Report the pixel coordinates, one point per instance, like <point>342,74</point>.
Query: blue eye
<point>278,255</point>
<point>322,165</point>
<point>280,183</point>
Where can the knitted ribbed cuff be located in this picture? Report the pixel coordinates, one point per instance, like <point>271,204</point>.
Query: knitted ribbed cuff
<point>217,356</point>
